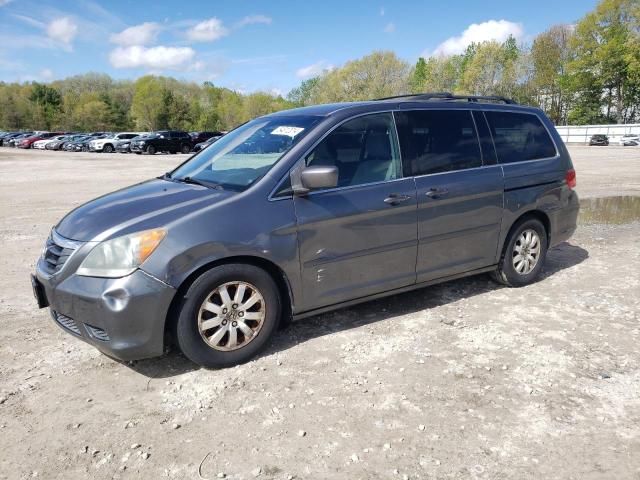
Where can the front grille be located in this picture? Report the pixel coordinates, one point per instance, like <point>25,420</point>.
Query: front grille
<point>97,333</point>
<point>67,322</point>
<point>57,251</point>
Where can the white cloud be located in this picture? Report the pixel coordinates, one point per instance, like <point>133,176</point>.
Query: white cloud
<point>142,34</point>
<point>314,69</point>
<point>251,19</point>
<point>159,58</point>
<point>63,30</point>
<point>207,31</point>
<point>46,74</point>
<point>390,27</point>
<point>498,30</point>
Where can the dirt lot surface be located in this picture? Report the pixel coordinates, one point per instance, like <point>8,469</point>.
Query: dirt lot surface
<point>462,380</point>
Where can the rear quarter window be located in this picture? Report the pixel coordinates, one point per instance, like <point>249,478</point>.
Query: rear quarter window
<point>519,137</point>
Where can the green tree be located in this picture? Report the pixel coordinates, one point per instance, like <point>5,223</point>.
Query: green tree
<point>418,76</point>
<point>302,95</point>
<point>148,107</point>
<point>549,56</point>
<point>380,74</point>
<point>47,102</point>
<point>605,66</point>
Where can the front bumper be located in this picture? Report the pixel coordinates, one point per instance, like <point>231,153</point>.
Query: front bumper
<point>137,148</point>
<point>122,317</point>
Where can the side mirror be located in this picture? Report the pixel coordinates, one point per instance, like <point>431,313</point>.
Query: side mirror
<point>313,178</point>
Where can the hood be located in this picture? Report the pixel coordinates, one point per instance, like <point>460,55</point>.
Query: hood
<point>151,204</point>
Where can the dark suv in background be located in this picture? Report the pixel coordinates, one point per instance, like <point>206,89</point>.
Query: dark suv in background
<point>308,210</point>
<point>599,140</point>
<point>172,141</point>
<point>199,137</point>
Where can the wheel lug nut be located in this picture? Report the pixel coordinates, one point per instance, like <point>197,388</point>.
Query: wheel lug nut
<point>224,322</point>
<point>234,324</point>
<point>241,314</point>
<point>234,306</point>
<point>224,310</point>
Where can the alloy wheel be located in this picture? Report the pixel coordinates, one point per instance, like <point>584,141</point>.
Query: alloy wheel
<point>231,316</point>
<point>526,252</point>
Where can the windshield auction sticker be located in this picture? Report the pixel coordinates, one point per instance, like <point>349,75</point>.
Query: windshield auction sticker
<point>288,131</point>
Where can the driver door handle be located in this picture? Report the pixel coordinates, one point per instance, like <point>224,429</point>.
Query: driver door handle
<point>396,199</point>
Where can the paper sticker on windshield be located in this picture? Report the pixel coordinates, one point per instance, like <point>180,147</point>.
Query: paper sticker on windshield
<point>288,131</point>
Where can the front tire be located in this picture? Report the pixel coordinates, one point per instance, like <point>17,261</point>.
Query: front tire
<point>107,149</point>
<point>524,254</point>
<point>185,149</point>
<point>151,150</point>
<point>228,315</point>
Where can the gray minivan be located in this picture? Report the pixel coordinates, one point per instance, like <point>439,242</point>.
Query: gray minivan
<point>308,210</point>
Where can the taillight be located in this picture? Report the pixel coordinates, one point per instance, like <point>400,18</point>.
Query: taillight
<point>570,177</point>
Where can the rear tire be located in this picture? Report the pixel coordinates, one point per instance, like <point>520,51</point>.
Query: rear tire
<point>151,150</point>
<point>185,149</point>
<point>224,342</point>
<point>524,253</point>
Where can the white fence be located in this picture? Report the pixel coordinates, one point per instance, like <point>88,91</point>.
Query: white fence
<point>582,133</point>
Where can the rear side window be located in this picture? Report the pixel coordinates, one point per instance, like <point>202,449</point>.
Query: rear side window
<point>433,141</point>
<point>519,137</point>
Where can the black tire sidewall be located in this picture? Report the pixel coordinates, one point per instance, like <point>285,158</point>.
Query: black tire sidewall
<point>507,270</point>
<point>188,337</point>
<point>185,149</point>
<point>151,150</point>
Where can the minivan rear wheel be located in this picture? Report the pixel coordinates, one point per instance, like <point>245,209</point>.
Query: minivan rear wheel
<point>228,315</point>
<point>524,253</point>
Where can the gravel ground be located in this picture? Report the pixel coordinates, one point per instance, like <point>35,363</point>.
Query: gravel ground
<point>462,380</point>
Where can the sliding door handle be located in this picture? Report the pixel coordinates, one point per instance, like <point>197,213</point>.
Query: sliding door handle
<point>437,192</point>
<point>396,199</point>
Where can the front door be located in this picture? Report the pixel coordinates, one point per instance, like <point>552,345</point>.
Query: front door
<point>460,197</point>
<point>359,238</point>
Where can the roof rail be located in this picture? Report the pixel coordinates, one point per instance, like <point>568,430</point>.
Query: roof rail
<point>450,96</point>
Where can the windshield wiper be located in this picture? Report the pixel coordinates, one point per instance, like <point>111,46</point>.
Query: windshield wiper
<point>195,181</point>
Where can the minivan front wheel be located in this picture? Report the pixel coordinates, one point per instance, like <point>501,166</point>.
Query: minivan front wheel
<point>524,254</point>
<point>228,315</point>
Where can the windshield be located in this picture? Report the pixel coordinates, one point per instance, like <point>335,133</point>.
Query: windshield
<point>246,154</point>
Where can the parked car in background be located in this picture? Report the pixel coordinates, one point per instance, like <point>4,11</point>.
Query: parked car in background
<point>107,144</point>
<point>42,144</point>
<point>59,143</point>
<point>199,137</point>
<point>202,145</point>
<point>79,145</point>
<point>630,140</point>
<point>12,142</point>
<point>599,140</point>
<point>172,141</point>
<point>307,210</point>
<point>123,146</point>
<point>4,140</point>
<point>29,141</point>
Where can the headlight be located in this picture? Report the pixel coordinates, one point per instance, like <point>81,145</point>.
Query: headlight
<point>121,256</point>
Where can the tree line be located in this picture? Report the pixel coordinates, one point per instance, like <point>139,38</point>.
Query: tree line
<point>578,74</point>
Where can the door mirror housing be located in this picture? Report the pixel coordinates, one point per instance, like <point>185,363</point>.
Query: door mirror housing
<point>313,178</point>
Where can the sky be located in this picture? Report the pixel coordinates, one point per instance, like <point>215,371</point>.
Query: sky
<point>250,45</point>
